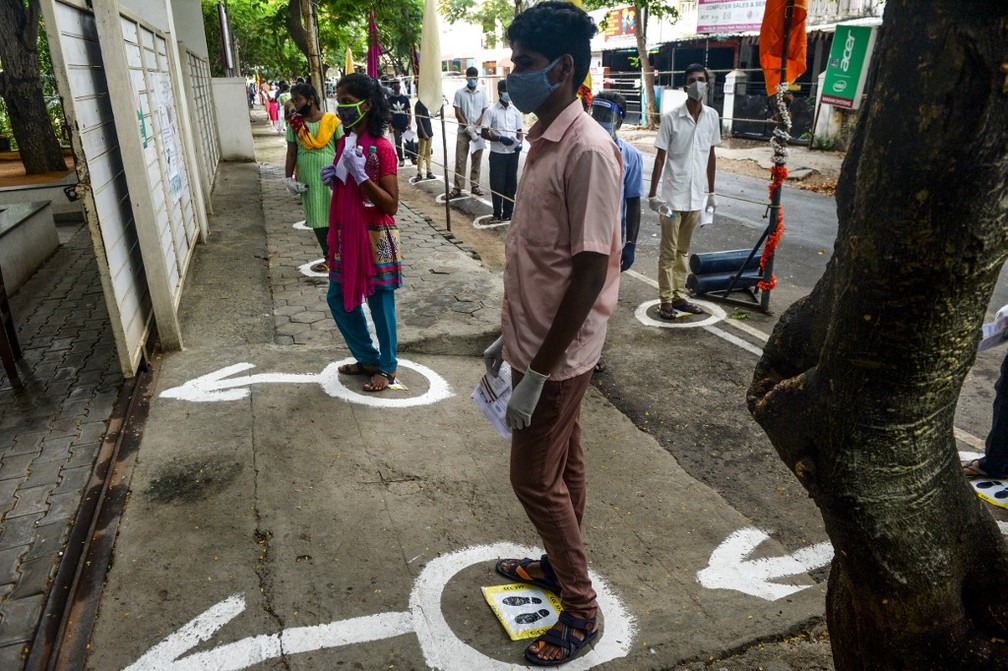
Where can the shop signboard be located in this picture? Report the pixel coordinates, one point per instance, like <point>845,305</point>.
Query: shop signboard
<point>847,68</point>
<point>729,16</point>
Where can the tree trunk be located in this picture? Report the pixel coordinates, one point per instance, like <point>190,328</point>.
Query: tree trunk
<point>858,385</point>
<point>296,28</point>
<point>21,88</point>
<point>649,115</point>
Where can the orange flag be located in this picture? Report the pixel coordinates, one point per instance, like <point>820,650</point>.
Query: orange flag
<point>772,42</point>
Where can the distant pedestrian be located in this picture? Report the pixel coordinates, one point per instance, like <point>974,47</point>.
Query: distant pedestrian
<point>272,104</point>
<point>364,258</point>
<point>561,280</point>
<point>402,118</point>
<point>503,126</point>
<point>286,107</point>
<point>311,146</point>
<point>425,133</point>
<point>608,109</point>
<point>470,102</point>
<point>685,143</point>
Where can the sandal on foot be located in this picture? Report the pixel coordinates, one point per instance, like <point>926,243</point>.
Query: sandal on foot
<point>666,311</point>
<point>387,380</point>
<point>357,368</point>
<point>517,569</point>
<point>971,469</point>
<point>562,636</point>
<point>686,306</point>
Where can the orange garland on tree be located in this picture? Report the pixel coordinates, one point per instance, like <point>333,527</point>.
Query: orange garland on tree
<point>779,173</point>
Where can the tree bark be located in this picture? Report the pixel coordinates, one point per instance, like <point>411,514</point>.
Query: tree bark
<point>21,88</point>
<point>649,115</point>
<point>859,382</point>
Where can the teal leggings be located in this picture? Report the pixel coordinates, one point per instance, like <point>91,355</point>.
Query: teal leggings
<point>354,328</point>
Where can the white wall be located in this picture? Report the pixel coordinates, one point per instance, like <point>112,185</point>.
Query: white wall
<point>233,121</point>
<point>153,12</point>
<point>189,28</point>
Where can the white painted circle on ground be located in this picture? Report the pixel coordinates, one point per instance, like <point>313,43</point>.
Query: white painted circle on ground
<point>301,225</point>
<point>443,649</point>
<point>716,314</point>
<point>305,269</point>
<point>478,222</point>
<point>438,388</point>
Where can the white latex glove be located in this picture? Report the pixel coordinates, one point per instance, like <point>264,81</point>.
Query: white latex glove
<point>473,132</point>
<point>353,159</point>
<point>658,204</point>
<point>524,399</point>
<point>1000,318</point>
<point>711,203</point>
<point>493,358</point>
<point>295,187</point>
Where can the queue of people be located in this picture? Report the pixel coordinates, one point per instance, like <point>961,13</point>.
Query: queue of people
<point>574,220</point>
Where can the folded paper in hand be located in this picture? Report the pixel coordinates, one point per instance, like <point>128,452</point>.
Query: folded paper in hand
<point>492,395</point>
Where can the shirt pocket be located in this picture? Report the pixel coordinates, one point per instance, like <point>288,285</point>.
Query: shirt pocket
<point>681,142</point>
<point>545,219</point>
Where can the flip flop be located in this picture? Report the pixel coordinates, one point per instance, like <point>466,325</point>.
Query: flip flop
<point>667,312</point>
<point>357,368</point>
<point>518,572</point>
<point>971,469</point>
<point>371,387</point>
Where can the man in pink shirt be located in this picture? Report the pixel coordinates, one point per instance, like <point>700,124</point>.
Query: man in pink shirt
<point>561,281</point>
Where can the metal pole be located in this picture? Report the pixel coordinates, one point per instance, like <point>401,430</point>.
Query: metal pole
<point>444,148</point>
<point>775,197</point>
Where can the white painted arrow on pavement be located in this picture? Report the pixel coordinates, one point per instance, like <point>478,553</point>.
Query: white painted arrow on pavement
<point>441,647</point>
<point>220,386</point>
<point>730,568</point>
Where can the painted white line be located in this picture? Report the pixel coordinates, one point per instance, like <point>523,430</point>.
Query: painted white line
<point>444,650</point>
<point>729,567</point>
<point>441,647</point>
<point>305,269</point>
<point>220,386</point>
<point>971,440</point>
<point>716,315</point>
<point>301,225</point>
<point>440,198</point>
<point>742,326</point>
<point>735,340</point>
<point>735,323</point>
<point>477,222</point>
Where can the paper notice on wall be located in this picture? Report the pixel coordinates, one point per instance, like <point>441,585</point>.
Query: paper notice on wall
<point>492,395</point>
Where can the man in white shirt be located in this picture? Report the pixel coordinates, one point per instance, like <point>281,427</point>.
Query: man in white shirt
<point>470,102</point>
<point>502,125</point>
<point>686,140</point>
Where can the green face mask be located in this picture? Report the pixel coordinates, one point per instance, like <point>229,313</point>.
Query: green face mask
<point>350,114</point>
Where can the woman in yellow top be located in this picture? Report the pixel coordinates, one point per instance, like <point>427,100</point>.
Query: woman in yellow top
<point>311,146</point>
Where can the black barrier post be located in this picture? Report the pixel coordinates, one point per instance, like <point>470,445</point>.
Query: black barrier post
<point>444,143</point>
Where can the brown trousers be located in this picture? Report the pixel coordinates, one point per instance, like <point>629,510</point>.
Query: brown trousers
<point>548,476</point>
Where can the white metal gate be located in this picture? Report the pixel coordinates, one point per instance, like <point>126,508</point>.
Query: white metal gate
<point>205,121</point>
<point>77,60</point>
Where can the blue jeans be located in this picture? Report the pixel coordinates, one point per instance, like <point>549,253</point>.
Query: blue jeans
<point>995,459</point>
<point>354,328</point>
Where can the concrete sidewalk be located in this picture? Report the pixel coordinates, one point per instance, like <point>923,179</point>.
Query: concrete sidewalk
<point>282,519</point>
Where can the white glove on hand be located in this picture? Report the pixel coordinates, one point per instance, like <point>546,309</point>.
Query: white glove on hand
<point>657,204</point>
<point>473,132</point>
<point>524,399</point>
<point>353,159</point>
<point>295,187</point>
<point>493,358</point>
<point>711,203</point>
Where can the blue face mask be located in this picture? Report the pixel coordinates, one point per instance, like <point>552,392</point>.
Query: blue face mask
<point>505,98</point>
<point>529,90</point>
<point>471,83</point>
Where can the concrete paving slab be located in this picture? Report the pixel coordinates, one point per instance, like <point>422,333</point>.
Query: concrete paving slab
<point>318,511</point>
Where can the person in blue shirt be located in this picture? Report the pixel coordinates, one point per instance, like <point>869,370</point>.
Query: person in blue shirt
<point>608,108</point>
